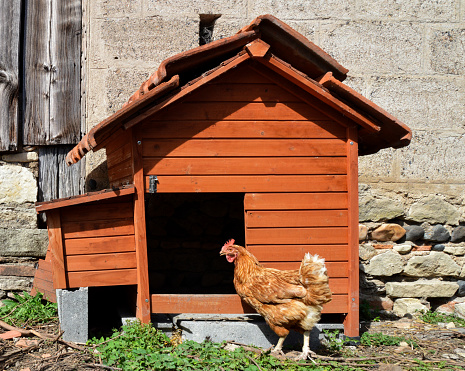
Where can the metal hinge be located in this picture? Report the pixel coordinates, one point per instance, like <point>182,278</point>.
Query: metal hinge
<point>153,183</point>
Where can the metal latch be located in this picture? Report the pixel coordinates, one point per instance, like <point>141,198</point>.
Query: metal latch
<point>153,183</point>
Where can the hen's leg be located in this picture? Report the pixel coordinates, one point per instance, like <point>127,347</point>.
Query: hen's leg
<point>306,352</point>
<point>279,347</point>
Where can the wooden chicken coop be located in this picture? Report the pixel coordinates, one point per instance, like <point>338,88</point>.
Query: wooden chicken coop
<point>261,119</point>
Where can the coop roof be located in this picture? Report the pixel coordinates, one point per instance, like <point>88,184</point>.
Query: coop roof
<point>280,48</point>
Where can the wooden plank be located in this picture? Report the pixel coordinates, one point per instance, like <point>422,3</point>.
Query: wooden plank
<point>45,265</point>
<point>243,129</point>
<point>116,210</point>
<point>297,218</point>
<point>296,252</point>
<point>242,148</point>
<point>52,70</point>
<point>242,75</point>
<point>100,228</point>
<point>250,183</point>
<point>297,236</point>
<point>85,198</point>
<point>93,262</point>
<point>351,322</point>
<point>10,19</point>
<point>122,182</point>
<point>241,92</point>
<point>44,275</point>
<point>143,290</point>
<point>99,245</point>
<point>56,247</point>
<point>244,166</point>
<point>295,201</point>
<point>335,269</point>
<point>122,154</point>
<point>43,285</point>
<point>121,170</point>
<point>224,304</point>
<point>103,278</point>
<point>240,111</point>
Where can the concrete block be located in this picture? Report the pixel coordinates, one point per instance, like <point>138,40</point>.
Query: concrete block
<point>433,156</point>
<point>227,26</point>
<point>17,184</point>
<point>378,165</point>
<point>429,11</point>
<point>132,41</point>
<point>232,8</point>
<point>374,47</point>
<point>422,103</point>
<point>307,28</point>
<point>18,216</point>
<point>305,9</point>
<point>23,242</point>
<point>73,312</point>
<point>113,9</point>
<point>446,50</point>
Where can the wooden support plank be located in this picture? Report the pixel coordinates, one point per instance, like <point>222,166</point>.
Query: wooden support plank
<point>99,245</point>
<point>243,148</point>
<point>56,247</point>
<point>296,252</point>
<point>121,170</point>
<point>10,19</point>
<point>295,201</point>
<point>107,211</point>
<point>245,166</point>
<point>297,236</point>
<point>250,183</point>
<point>297,218</point>
<point>351,322</point>
<point>94,262</point>
<point>240,111</point>
<point>122,154</point>
<point>114,277</point>
<point>140,234</point>
<point>122,227</point>
<point>224,304</point>
<point>243,129</point>
<point>335,269</point>
<point>44,275</point>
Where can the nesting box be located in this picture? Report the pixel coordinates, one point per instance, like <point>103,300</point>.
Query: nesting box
<point>262,127</point>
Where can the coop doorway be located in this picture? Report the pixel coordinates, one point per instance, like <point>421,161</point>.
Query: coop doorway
<point>185,232</point>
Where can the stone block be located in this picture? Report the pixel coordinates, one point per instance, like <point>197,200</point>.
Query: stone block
<point>459,310</point>
<point>23,242</point>
<point>192,8</point>
<point>423,103</point>
<point>388,232</point>
<point>385,264</point>
<point>17,184</point>
<point>377,207</point>
<point>408,306</point>
<point>17,216</point>
<point>374,47</point>
<point>433,209</point>
<point>21,157</point>
<point>366,251</point>
<point>429,11</point>
<point>73,312</point>
<point>455,250</point>
<point>458,234</point>
<point>402,249</point>
<point>436,264</point>
<point>131,42</point>
<point>414,232</point>
<point>421,289</point>
<point>12,283</point>
<point>362,232</point>
<point>446,50</point>
<point>306,9</point>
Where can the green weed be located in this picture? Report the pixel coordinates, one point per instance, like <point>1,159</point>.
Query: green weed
<point>26,309</point>
<point>378,339</point>
<point>333,342</point>
<point>435,318</point>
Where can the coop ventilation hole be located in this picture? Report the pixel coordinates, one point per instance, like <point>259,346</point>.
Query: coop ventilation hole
<point>206,25</point>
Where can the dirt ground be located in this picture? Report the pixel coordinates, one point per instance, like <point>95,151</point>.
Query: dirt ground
<point>437,347</point>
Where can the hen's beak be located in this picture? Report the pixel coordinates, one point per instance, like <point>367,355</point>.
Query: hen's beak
<point>222,252</point>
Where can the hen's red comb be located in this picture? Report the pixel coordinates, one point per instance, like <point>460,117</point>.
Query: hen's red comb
<point>229,243</point>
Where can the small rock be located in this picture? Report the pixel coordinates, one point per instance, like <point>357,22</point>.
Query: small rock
<point>366,251</point>
<point>408,306</point>
<point>231,347</point>
<point>458,234</point>
<point>460,352</point>
<point>362,232</point>
<point>439,247</point>
<point>450,325</point>
<point>459,310</point>
<point>438,234</point>
<point>406,349</point>
<point>387,367</point>
<point>461,290</point>
<point>455,250</point>
<point>26,343</point>
<point>414,232</point>
<point>403,325</point>
<point>450,356</point>
<point>403,344</point>
<point>380,246</point>
<point>421,248</point>
<point>402,249</point>
<point>388,232</point>
<point>10,335</point>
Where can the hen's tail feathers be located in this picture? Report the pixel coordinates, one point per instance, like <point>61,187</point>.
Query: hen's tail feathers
<point>314,277</point>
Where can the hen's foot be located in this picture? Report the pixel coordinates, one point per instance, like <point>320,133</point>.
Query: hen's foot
<point>306,354</point>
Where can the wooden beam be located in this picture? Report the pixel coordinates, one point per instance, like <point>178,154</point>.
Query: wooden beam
<point>56,247</point>
<point>10,19</point>
<point>140,234</point>
<point>351,322</point>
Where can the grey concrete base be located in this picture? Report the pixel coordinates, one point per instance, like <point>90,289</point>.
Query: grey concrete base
<point>73,312</point>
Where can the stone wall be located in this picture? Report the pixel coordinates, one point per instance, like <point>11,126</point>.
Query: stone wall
<point>21,243</point>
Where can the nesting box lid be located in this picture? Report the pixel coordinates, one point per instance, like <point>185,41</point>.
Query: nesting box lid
<point>280,48</point>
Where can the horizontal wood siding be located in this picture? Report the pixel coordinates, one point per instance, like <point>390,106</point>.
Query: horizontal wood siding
<point>98,240</point>
<point>119,160</point>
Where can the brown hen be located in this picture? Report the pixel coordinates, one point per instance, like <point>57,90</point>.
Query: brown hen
<point>287,299</point>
